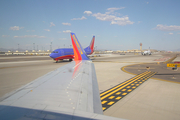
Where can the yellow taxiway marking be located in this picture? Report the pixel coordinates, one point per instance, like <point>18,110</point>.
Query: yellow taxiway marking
<point>141,68</point>
<point>110,103</point>
<point>128,87</point>
<point>170,60</point>
<point>118,93</point>
<point>104,108</point>
<point>123,90</point>
<point>124,93</point>
<point>119,88</point>
<point>111,97</point>
<point>103,102</point>
<point>118,98</point>
<point>120,84</point>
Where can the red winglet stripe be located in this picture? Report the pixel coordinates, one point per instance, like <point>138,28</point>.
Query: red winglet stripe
<point>76,52</point>
<point>92,44</point>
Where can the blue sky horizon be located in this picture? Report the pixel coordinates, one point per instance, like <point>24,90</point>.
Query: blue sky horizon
<point>116,24</point>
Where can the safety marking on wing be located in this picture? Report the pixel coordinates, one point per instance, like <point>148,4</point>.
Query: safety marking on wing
<point>116,93</point>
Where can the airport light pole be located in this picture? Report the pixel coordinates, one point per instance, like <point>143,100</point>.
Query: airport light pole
<point>33,46</point>
<point>18,47</point>
<point>51,46</point>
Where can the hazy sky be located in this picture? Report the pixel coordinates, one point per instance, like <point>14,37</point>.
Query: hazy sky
<point>116,24</point>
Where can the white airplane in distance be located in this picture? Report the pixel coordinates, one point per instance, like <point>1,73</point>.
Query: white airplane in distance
<point>68,93</point>
<point>148,52</point>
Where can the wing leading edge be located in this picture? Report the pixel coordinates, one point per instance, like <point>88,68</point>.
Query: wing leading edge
<point>69,92</point>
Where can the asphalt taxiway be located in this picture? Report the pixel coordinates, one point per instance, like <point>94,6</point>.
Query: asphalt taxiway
<point>153,98</point>
<point>14,58</point>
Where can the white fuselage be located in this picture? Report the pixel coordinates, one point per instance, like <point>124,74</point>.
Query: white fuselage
<point>146,53</point>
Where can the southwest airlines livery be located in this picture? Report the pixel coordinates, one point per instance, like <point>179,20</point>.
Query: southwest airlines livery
<point>68,93</point>
<point>67,53</point>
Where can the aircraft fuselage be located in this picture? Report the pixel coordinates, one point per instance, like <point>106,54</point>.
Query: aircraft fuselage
<point>66,53</point>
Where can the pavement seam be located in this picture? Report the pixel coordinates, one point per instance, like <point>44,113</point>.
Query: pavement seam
<point>165,80</point>
<point>123,69</point>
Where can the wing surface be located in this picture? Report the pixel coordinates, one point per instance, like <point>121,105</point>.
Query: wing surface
<point>68,93</point>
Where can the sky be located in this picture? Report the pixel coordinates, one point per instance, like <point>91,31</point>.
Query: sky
<point>116,24</point>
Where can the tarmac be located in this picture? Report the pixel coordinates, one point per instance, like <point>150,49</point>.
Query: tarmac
<point>156,98</point>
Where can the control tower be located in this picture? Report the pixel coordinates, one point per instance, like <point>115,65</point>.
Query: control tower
<point>140,47</point>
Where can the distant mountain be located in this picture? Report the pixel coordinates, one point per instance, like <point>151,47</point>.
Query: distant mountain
<point>177,49</point>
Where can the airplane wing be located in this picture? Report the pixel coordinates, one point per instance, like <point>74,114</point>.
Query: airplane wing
<point>68,93</point>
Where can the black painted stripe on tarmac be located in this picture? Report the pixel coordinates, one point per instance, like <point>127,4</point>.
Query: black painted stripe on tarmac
<point>116,93</point>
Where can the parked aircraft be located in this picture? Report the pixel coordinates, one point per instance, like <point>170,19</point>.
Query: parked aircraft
<point>67,93</point>
<point>67,53</point>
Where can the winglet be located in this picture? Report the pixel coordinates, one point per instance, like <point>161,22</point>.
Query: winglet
<point>92,44</point>
<point>79,53</point>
